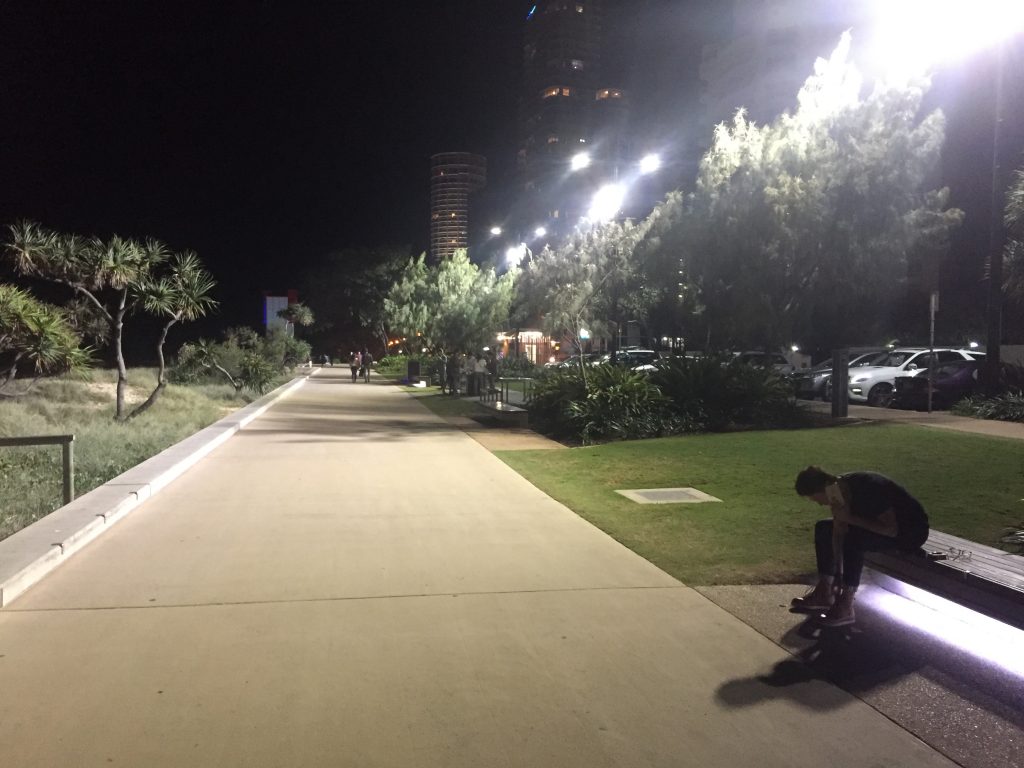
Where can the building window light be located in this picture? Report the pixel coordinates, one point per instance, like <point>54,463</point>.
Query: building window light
<point>579,7</point>
<point>602,94</point>
<point>567,91</point>
<point>552,139</point>
<point>576,64</point>
<point>547,93</point>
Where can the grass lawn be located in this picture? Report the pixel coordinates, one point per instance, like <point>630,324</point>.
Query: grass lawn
<point>443,405</point>
<point>761,532</point>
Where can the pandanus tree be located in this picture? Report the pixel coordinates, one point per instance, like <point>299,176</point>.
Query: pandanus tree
<point>108,277</point>
<point>180,294</point>
<point>35,337</point>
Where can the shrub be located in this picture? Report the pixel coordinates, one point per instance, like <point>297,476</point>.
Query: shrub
<point>1009,407</point>
<point>610,404</point>
<point>715,393</point>
<point>244,358</point>
<point>398,365</point>
<point>518,367</point>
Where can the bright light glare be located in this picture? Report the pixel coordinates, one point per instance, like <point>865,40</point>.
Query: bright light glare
<point>650,163</point>
<point>539,232</point>
<point>495,231</point>
<point>974,345</point>
<point>580,161</point>
<point>979,635</point>
<point>515,254</point>
<point>606,202</point>
<point>914,36</point>
<point>794,348</point>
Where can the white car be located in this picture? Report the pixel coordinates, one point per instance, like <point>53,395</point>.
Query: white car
<point>875,384</point>
<point>774,360</point>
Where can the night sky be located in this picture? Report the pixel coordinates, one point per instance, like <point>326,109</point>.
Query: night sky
<point>262,134</point>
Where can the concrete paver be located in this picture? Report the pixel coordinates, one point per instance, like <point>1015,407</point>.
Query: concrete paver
<point>352,581</point>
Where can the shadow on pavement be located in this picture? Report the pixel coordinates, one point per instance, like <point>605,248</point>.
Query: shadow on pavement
<point>833,655</point>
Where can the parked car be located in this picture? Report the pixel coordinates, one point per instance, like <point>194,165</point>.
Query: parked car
<point>773,360</point>
<point>875,384</point>
<point>588,358</point>
<point>633,358</point>
<point>951,382</point>
<point>817,381</point>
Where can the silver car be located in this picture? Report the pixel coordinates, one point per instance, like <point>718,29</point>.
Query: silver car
<point>875,384</point>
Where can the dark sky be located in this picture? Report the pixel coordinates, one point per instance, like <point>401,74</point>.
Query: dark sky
<point>262,133</point>
<point>253,132</point>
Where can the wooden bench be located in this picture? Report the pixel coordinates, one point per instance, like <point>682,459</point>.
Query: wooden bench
<point>984,579</point>
<point>505,412</point>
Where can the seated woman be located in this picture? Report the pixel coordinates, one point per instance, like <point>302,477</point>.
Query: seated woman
<point>870,513</point>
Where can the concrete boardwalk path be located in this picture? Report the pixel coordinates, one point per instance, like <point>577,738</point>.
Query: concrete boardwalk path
<point>350,581</point>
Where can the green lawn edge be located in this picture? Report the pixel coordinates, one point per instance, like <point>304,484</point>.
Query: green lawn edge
<point>761,531</point>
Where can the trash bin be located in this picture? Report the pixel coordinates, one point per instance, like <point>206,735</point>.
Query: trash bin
<point>412,371</point>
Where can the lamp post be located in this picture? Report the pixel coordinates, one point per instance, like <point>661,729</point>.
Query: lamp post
<point>994,303</point>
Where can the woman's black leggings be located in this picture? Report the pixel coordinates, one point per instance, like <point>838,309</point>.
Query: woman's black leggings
<point>856,542</point>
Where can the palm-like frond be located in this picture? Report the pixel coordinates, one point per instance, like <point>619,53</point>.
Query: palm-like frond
<point>183,293</point>
<point>1014,212</point>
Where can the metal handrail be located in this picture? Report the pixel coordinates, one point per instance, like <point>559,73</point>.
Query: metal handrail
<point>504,384</point>
<point>68,450</point>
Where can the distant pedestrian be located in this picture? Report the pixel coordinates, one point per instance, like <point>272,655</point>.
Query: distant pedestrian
<point>870,513</point>
<point>355,362</point>
<point>492,371</point>
<point>367,363</point>
<point>480,374</point>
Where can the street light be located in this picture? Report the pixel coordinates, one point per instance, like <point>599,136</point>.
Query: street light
<point>515,254</point>
<point>606,203</point>
<point>580,161</point>
<point>495,231</point>
<point>913,36</point>
<point>650,163</point>
<point>540,232</point>
<point>917,35</point>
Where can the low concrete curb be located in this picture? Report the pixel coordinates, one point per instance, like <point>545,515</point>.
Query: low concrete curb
<point>31,553</point>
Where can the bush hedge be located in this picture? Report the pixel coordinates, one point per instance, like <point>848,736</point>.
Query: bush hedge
<point>607,402</point>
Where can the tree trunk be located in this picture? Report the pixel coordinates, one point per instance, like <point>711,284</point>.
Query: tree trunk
<point>161,381</point>
<point>122,371</point>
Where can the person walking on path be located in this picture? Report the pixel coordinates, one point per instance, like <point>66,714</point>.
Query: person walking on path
<point>355,362</point>
<point>367,362</point>
<point>870,513</point>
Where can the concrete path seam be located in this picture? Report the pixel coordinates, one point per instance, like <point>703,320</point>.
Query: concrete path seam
<point>351,598</point>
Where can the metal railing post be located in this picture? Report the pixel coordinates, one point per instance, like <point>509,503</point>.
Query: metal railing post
<point>65,442</point>
<point>68,449</point>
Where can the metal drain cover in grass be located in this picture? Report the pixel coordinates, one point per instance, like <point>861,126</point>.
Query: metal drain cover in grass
<point>667,496</point>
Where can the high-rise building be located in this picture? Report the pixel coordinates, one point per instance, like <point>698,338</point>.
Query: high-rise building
<point>454,177</point>
<point>569,104</point>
